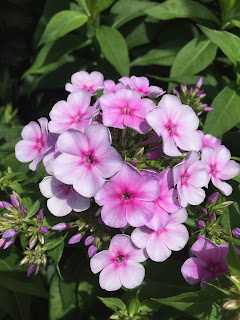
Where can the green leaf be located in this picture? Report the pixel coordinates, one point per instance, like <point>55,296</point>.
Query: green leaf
<point>194,57</point>
<point>54,240</point>
<point>226,41</point>
<point>236,22</point>
<point>54,54</point>
<point>62,298</point>
<point>114,48</point>
<point>114,304</point>
<point>233,261</point>
<point>126,10</point>
<point>161,57</point>
<point>84,6</point>
<point>31,212</point>
<point>172,9</point>
<point>202,304</point>
<point>62,23</point>
<point>99,6</point>
<point>57,252</point>
<point>133,307</point>
<point>226,112</point>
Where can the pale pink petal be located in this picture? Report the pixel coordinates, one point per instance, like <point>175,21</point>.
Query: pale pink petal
<point>189,141</point>
<point>96,79</point>
<point>175,236</point>
<point>77,202</point>
<point>155,92</point>
<point>166,179</point>
<point>73,142</point>
<point>45,187</point>
<point>206,250</point>
<point>25,150</point>
<point>168,200</point>
<point>80,78</point>
<point>157,249</point>
<point>139,83</point>
<point>140,236</point>
<point>58,206</point>
<point>229,170</point>
<point>154,119</point>
<point>178,217</point>
<point>122,244</point>
<point>70,88</point>
<point>34,164</point>
<point>143,107</point>
<point>198,174</point>
<point>131,274</point>
<point>99,138</point>
<point>109,192</point>
<point>159,220</point>
<point>127,176</point>
<point>67,168</point>
<point>101,260</point>
<point>125,81</point>
<point>224,187</point>
<point>182,201</point>
<point>171,107</point>
<point>114,214</point>
<point>193,195</point>
<point>79,101</point>
<point>108,163</point>
<point>88,182</point>
<point>193,270</point>
<point>207,278</point>
<point>31,131</point>
<point>147,189</point>
<point>138,212</point>
<point>208,156</point>
<point>188,121</point>
<point>109,86</point>
<point>222,156</point>
<point>169,146</point>
<point>134,122</point>
<point>109,278</point>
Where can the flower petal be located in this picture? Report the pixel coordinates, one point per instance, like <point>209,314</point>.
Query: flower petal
<point>193,270</point>
<point>131,274</point>
<point>206,250</point>
<point>109,278</point>
<point>175,236</point>
<point>140,236</point>
<point>156,248</point>
<point>101,260</point>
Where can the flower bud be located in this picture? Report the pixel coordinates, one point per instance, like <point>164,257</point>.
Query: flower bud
<point>213,198</point>
<point>134,161</point>
<point>44,261</point>
<point>231,305</point>
<point>5,205</point>
<point>36,270</point>
<point>23,209</point>
<point>213,217</point>
<point>204,211</point>
<point>89,240</point>
<point>40,214</point>
<point>176,92</point>
<point>75,239</point>
<point>14,201</point>
<point>44,229</point>
<point>92,250</point>
<point>8,243</point>
<point>9,234</point>
<point>32,241</point>
<point>30,269</point>
<point>201,224</point>
<point>61,226</point>
<point>199,83</point>
<point>2,242</point>
<point>152,155</point>
<point>23,261</point>
<point>236,232</point>
<point>41,238</point>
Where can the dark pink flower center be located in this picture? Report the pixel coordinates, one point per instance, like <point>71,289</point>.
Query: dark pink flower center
<point>77,119</point>
<point>213,170</point>
<point>184,178</point>
<point>126,196</point>
<point>89,159</point>
<point>120,258</point>
<point>127,110</point>
<point>171,128</point>
<point>213,267</point>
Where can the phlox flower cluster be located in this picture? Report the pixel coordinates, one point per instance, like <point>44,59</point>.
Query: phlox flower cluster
<point>84,151</point>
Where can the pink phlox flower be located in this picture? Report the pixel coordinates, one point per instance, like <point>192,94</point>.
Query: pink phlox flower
<point>34,143</point>
<point>87,159</point>
<point>208,140</point>
<point>209,262</point>
<point>141,84</point>
<point>190,176</point>
<point>119,265</point>
<point>177,124</point>
<point>125,108</point>
<point>220,167</point>
<point>82,80</point>
<point>110,86</point>
<point>75,113</point>
<point>162,235</point>
<point>128,198</point>
<point>52,153</point>
<point>63,199</point>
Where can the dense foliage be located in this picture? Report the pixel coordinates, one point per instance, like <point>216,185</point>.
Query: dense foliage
<point>172,42</point>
